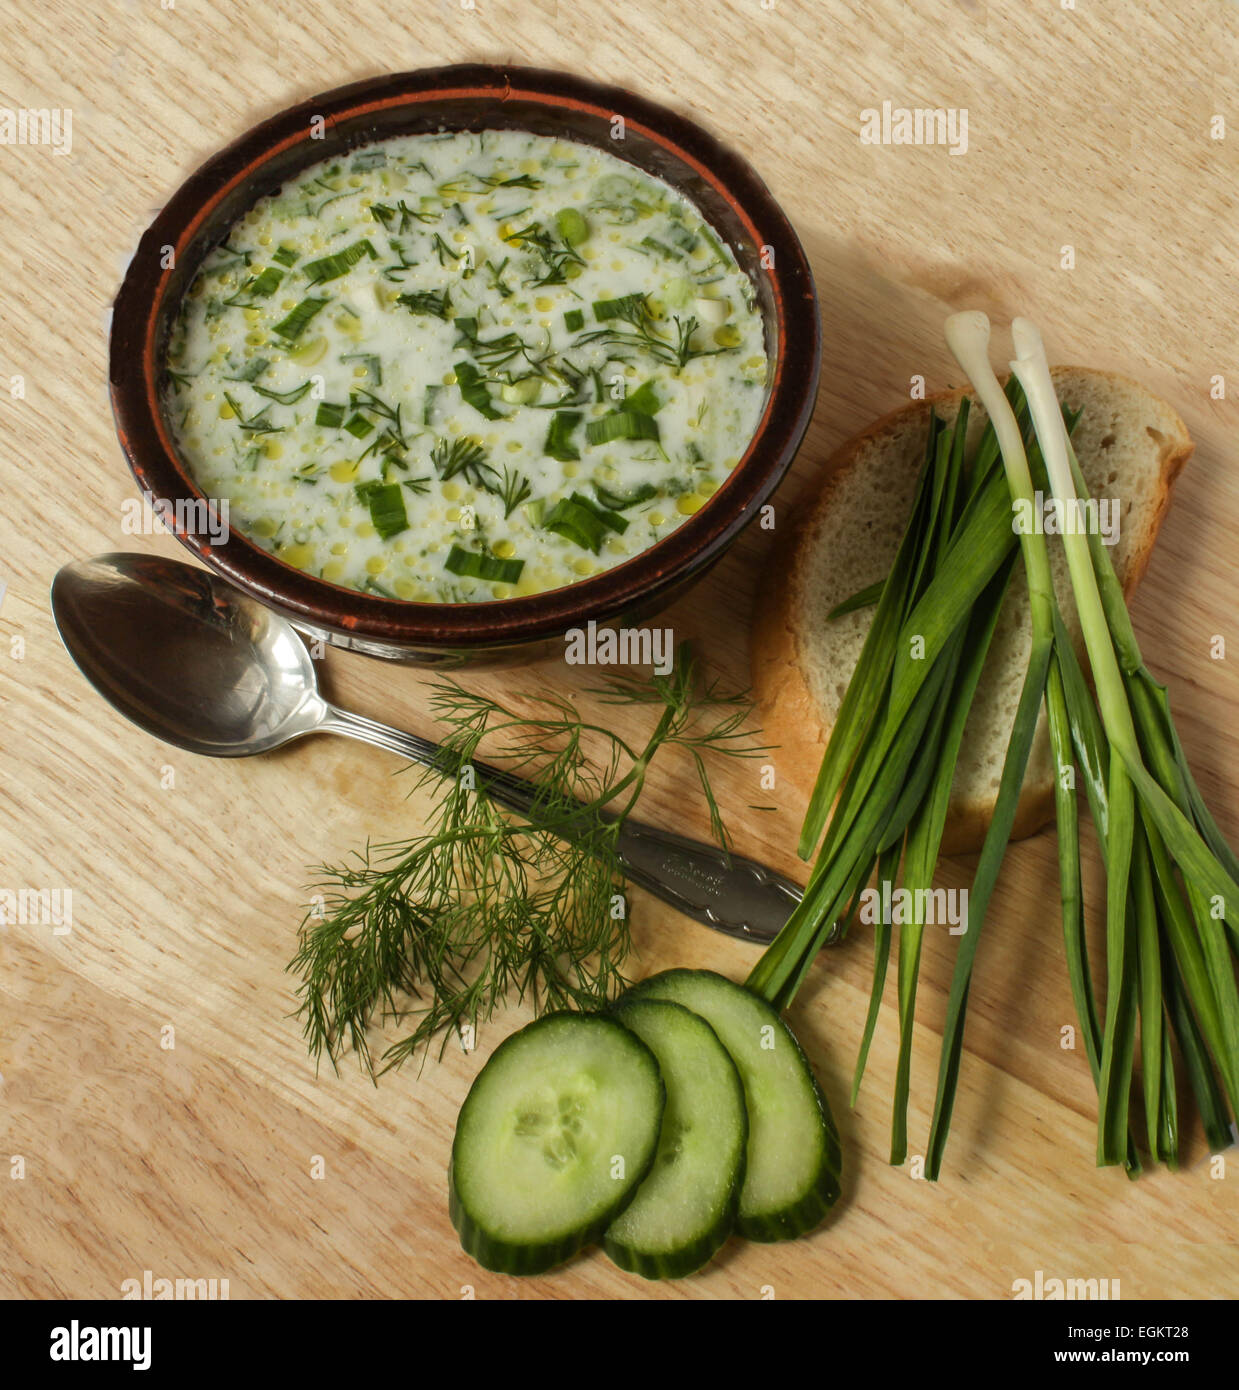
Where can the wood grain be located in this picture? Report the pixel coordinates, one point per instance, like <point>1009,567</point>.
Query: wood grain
<point>1089,127</point>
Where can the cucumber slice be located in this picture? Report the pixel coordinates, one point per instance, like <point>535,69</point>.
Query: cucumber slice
<point>686,1207</point>
<point>554,1137</point>
<point>792,1174</point>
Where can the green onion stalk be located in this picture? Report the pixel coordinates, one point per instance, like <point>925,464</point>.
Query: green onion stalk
<point>882,792</point>
<point>1161,845</point>
<point>890,762</point>
<point>967,336</point>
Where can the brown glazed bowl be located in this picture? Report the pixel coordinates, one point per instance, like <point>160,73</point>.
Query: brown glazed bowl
<point>724,188</point>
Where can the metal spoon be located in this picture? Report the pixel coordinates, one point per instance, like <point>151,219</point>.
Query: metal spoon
<point>191,659</point>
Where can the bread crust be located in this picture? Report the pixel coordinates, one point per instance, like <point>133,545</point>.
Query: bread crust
<point>791,717</point>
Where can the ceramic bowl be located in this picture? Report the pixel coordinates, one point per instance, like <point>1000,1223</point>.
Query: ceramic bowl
<point>662,142</point>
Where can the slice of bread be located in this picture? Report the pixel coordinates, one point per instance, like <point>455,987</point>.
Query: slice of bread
<point>1131,447</point>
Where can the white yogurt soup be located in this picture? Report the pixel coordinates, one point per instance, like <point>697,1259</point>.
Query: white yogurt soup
<point>466,366</point>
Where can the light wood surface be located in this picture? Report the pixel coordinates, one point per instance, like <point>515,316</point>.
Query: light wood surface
<point>1089,127</point>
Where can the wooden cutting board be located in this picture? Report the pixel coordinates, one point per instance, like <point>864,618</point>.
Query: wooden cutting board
<point>157,1108</point>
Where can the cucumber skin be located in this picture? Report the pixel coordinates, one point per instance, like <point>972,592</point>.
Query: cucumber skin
<point>689,1258</point>
<point>503,1257</point>
<point>811,1208</point>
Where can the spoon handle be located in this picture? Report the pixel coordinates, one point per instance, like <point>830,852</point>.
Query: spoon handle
<point>728,892</point>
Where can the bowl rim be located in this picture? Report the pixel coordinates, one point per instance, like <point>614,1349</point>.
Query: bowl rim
<point>637,582</point>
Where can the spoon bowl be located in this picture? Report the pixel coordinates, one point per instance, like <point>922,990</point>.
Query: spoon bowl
<point>185,655</point>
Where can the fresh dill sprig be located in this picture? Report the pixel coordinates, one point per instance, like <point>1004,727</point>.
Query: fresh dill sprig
<point>436,304</point>
<point>485,183</point>
<point>256,424</point>
<point>513,490</point>
<point>576,384</point>
<point>683,691</point>
<point>488,907</point>
<point>390,441</point>
<point>550,256</point>
<point>466,457</point>
<point>497,282</point>
<point>489,352</point>
<point>396,271</point>
<point>401,216</point>
<point>643,336</point>
<point>446,255</point>
<point>283,397</point>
